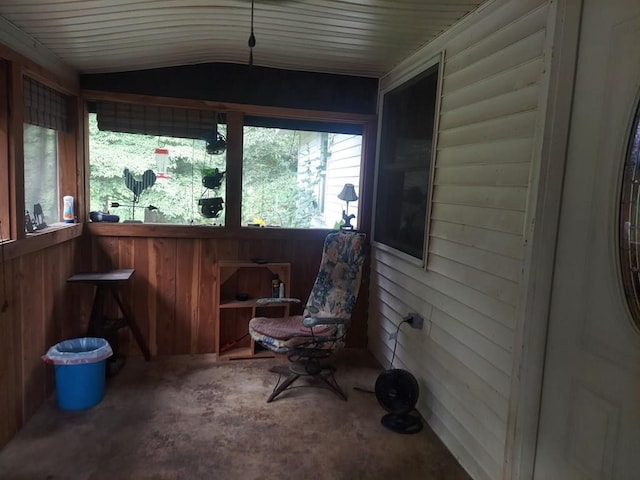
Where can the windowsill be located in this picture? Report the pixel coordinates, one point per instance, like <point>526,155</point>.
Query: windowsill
<point>163,230</point>
<point>39,240</point>
<point>399,254</point>
<point>54,227</point>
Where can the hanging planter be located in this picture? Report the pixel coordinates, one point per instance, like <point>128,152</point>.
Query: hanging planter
<point>210,207</point>
<point>212,178</point>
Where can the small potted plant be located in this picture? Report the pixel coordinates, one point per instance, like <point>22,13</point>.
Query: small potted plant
<point>212,177</point>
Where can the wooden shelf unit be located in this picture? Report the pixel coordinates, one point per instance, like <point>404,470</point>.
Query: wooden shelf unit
<point>232,339</point>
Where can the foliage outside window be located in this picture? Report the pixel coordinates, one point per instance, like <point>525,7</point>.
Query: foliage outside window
<point>292,178</point>
<point>630,222</point>
<point>46,114</point>
<point>404,164</point>
<point>41,173</point>
<point>174,195</point>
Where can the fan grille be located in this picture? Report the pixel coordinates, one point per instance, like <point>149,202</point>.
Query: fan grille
<point>397,391</point>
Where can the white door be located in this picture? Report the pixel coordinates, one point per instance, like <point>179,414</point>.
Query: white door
<point>590,413</point>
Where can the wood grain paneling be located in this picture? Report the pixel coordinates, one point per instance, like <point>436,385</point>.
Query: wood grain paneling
<point>42,310</point>
<point>207,278</point>
<point>32,285</point>
<point>172,296</point>
<point>172,292</point>
<point>11,391</point>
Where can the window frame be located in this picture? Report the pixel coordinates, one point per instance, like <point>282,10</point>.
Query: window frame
<point>234,114</point>
<point>13,69</point>
<point>5,183</point>
<point>67,154</point>
<point>322,155</point>
<point>628,251</point>
<point>437,60</point>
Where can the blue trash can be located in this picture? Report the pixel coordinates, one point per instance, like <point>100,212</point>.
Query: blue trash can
<point>80,367</point>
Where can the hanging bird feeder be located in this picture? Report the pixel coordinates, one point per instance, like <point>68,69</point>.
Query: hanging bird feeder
<point>162,163</point>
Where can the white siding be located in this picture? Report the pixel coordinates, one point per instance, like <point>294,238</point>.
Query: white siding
<point>343,166</point>
<point>469,292</point>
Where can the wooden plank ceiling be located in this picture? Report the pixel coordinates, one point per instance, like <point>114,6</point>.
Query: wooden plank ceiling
<point>355,37</point>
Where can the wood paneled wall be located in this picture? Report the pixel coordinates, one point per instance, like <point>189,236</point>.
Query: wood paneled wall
<point>42,310</point>
<point>171,294</point>
<point>172,291</point>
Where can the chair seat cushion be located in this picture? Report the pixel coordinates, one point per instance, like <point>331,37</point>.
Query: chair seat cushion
<point>282,334</point>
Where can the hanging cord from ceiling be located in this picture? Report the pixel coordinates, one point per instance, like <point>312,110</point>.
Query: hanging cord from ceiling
<point>252,38</point>
<point>5,302</point>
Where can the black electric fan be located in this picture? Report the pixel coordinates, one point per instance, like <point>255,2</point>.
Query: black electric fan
<point>397,392</point>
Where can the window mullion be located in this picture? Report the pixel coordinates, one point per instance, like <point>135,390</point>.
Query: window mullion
<point>234,169</point>
<point>4,155</point>
<point>16,151</point>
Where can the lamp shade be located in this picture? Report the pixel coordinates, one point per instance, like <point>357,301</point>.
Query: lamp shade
<point>348,193</point>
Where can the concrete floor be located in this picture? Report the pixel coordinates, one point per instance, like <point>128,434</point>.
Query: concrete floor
<point>187,417</point>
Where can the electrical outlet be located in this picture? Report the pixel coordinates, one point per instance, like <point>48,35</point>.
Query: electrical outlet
<point>415,320</point>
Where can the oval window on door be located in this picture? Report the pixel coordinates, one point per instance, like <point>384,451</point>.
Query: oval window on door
<point>630,222</point>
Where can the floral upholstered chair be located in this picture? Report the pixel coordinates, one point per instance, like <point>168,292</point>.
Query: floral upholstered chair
<point>309,338</point>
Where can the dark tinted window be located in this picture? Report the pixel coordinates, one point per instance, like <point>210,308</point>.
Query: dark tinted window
<point>404,168</point>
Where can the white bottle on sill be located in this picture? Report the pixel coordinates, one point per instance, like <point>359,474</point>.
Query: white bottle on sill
<point>67,211</point>
<point>281,291</point>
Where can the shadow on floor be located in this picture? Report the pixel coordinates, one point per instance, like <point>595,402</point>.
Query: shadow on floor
<point>188,417</point>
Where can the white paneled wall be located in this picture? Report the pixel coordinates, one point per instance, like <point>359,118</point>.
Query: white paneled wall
<point>343,166</point>
<point>469,292</point>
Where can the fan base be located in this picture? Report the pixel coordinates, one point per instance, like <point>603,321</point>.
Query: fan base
<point>406,423</point>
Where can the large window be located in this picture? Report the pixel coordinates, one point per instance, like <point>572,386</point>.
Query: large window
<point>404,164</point>
<point>41,193</point>
<point>46,116</point>
<point>153,164</point>
<point>157,165</point>
<point>292,178</point>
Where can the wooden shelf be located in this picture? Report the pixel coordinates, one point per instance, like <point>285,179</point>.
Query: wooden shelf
<point>232,316</point>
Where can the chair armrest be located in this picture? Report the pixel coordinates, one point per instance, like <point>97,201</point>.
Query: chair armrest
<point>313,321</point>
<point>267,301</point>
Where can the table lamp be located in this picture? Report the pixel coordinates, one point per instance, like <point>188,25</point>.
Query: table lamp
<point>348,194</point>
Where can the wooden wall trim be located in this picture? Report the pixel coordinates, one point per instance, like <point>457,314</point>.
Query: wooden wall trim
<point>157,230</point>
<point>5,188</point>
<point>235,139</point>
<point>367,173</point>
<point>236,83</point>
<point>39,241</point>
<point>247,109</point>
<point>16,150</point>
<point>63,79</point>
<point>69,177</point>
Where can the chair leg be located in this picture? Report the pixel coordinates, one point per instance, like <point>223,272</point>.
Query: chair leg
<point>283,386</point>
<point>331,382</point>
